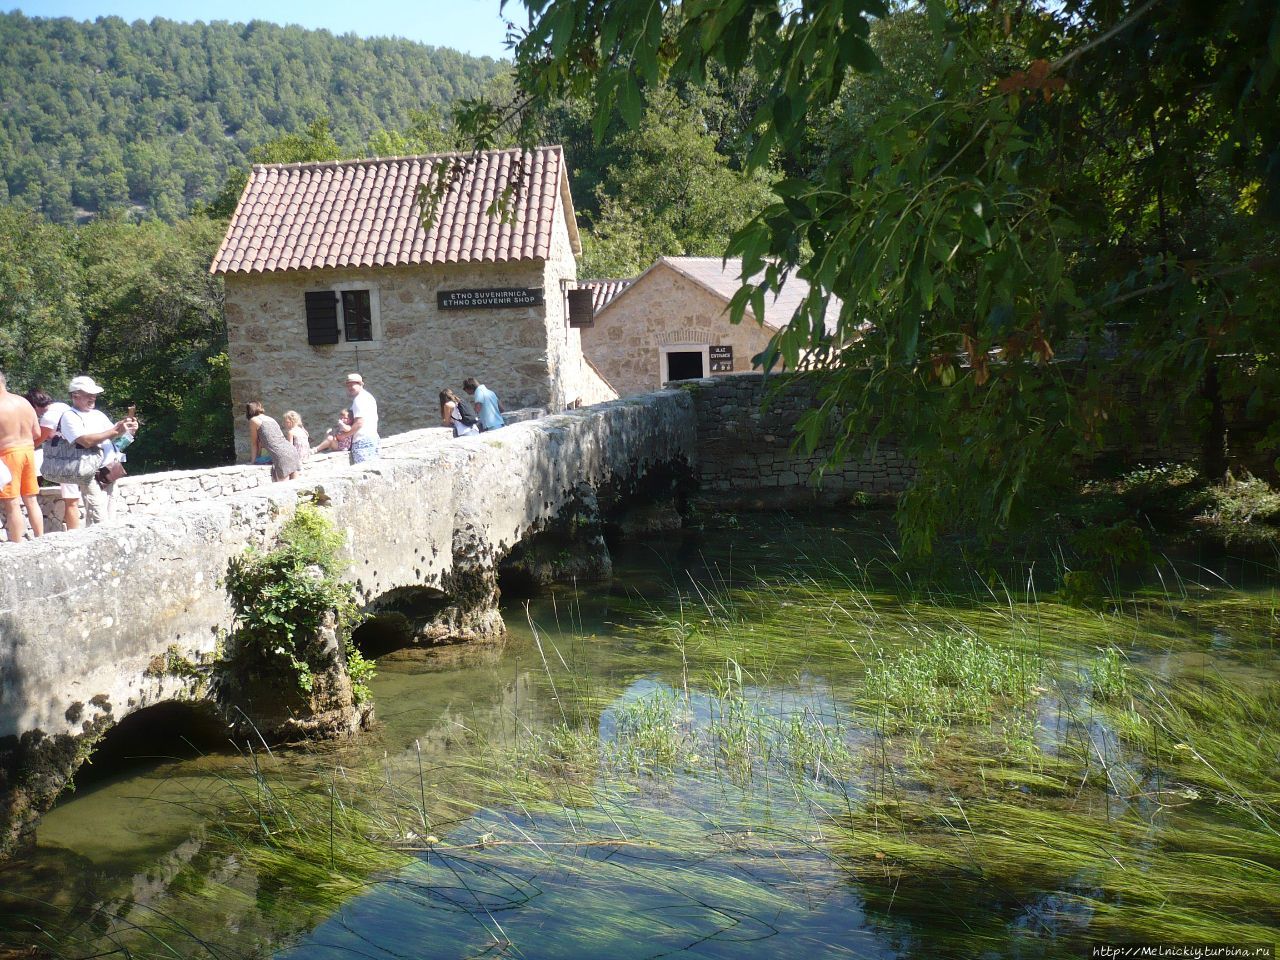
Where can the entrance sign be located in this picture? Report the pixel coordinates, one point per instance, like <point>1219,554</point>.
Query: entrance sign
<point>721,359</point>
<point>489,299</point>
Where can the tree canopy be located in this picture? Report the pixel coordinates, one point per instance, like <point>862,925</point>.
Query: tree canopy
<point>668,190</point>
<point>1021,204</point>
<point>134,304</point>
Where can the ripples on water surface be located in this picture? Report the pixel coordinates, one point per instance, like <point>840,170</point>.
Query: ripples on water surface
<point>754,742</point>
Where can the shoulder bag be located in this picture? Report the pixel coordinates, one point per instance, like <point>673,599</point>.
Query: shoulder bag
<point>66,462</point>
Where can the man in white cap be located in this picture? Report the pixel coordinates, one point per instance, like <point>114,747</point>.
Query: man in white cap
<point>84,424</point>
<point>363,429</point>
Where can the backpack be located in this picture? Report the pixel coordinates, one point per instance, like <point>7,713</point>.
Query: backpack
<point>466,414</point>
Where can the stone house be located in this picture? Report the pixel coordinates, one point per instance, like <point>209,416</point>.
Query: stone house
<point>329,269</point>
<point>672,323</point>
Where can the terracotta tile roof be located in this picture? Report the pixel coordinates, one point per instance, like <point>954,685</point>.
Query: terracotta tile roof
<point>364,213</point>
<point>604,290</point>
<point>723,277</point>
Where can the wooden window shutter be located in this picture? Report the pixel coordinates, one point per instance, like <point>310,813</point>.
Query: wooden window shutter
<point>582,311</point>
<point>322,317</point>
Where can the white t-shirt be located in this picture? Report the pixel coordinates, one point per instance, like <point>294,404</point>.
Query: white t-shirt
<point>53,414</point>
<point>76,423</point>
<point>461,429</point>
<point>365,409</point>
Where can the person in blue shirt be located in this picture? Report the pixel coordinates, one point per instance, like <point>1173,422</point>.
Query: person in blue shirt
<point>488,406</point>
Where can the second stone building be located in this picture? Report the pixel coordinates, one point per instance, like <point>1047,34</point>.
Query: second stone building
<point>672,323</point>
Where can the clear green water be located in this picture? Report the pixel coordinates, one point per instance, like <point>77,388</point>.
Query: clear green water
<point>741,747</point>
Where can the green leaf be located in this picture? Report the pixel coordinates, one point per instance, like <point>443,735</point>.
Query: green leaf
<point>946,296</point>
<point>798,210</point>
<point>782,112</point>
<point>792,187</point>
<point>857,53</point>
<point>999,322</point>
<point>561,18</point>
<point>631,103</point>
<point>937,11</point>
<point>924,282</point>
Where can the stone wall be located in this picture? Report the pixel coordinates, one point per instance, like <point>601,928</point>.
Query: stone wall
<point>595,388</point>
<point>528,355</point>
<point>663,308</point>
<point>745,455</point>
<point>564,344</point>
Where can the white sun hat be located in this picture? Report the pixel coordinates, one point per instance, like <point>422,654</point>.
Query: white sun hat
<point>84,384</point>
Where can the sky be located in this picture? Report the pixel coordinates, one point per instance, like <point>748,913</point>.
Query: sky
<point>472,26</point>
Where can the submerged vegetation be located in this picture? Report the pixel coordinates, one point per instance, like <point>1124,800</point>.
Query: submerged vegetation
<point>837,760</point>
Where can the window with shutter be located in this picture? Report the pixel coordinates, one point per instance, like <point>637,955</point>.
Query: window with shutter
<point>357,317</point>
<point>343,318</point>
<point>322,317</point>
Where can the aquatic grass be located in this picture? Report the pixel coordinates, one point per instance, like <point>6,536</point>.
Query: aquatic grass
<point>653,732</point>
<point>1135,882</point>
<point>277,855</point>
<point>1218,734</point>
<point>947,679</point>
<point>783,624</point>
<point>733,764</point>
<point>1108,675</point>
<point>1101,825</point>
<point>814,748</point>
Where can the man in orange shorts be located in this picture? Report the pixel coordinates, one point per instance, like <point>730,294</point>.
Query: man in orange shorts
<point>19,430</point>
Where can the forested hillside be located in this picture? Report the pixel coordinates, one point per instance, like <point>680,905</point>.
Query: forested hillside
<point>102,115</point>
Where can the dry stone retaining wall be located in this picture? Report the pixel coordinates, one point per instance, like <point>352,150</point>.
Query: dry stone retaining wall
<point>745,454</point>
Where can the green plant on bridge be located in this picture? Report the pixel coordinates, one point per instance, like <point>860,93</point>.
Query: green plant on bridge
<point>282,598</point>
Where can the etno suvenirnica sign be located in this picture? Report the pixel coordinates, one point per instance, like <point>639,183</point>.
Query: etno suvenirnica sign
<point>489,299</point>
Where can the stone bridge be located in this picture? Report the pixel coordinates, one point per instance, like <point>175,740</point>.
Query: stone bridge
<point>89,618</point>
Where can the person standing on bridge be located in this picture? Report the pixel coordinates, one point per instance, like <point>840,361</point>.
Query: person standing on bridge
<point>266,437</point>
<point>363,429</point>
<point>19,433</point>
<point>488,406</point>
<point>86,426</point>
<point>50,412</point>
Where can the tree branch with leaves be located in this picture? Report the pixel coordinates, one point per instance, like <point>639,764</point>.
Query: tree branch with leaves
<point>1049,202</point>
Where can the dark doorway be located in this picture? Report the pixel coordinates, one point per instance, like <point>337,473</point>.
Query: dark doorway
<point>685,365</point>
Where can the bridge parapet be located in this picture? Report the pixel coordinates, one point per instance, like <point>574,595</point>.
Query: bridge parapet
<point>155,492</point>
